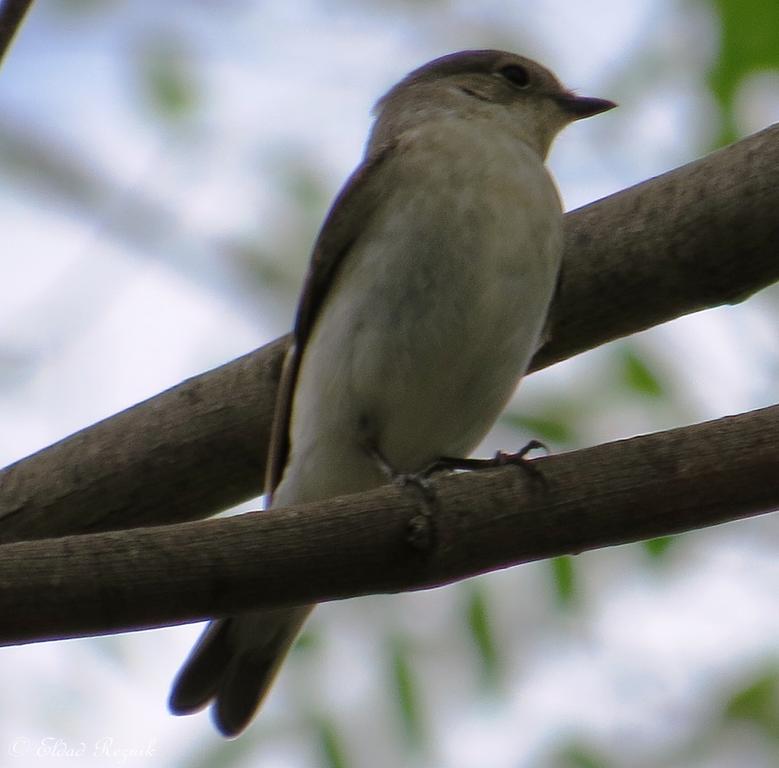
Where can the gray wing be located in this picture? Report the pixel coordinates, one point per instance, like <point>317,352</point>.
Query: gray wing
<point>346,220</point>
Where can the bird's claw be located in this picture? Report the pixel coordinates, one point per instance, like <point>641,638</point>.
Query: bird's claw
<point>518,459</point>
<point>500,459</point>
<point>419,480</point>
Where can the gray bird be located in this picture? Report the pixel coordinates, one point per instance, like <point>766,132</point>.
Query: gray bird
<point>426,297</point>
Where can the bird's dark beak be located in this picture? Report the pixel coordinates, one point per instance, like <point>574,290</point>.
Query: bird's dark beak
<point>583,106</point>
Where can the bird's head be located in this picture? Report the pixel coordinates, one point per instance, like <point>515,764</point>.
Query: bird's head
<point>504,88</point>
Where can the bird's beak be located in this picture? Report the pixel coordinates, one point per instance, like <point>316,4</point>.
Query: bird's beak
<point>583,106</point>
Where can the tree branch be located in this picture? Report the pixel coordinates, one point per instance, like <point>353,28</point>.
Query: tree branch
<point>12,13</point>
<point>699,236</point>
<point>389,540</point>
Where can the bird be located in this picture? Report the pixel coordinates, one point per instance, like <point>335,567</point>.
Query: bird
<point>427,294</point>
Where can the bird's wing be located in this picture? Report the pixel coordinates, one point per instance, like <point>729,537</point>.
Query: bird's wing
<point>345,222</point>
<point>552,312</point>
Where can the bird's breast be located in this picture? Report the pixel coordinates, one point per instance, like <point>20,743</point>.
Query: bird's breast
<point>439,305</point>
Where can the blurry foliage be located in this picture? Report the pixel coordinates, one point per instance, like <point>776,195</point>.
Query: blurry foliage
<point>304,185</point>
<point>406,688</point>
<point>479,625</point>
<point>749,43</point>
<point>551,424</point>
<point>168,79</point>
<point>331,745</point>
<point>657,548</point>
<point>564,579</point>
<point>758,702</point>
<point>578,756</point>
<point>303,182</point>
<point>308,640</point>
<point>637,373</point>
<point>253,262</point>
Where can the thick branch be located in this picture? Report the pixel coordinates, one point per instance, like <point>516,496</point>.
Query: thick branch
<point>699,236</point>
<point>388,540</point>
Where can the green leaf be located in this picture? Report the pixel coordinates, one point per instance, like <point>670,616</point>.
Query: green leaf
<point>331,744</point>
<point>547,428</point>
<point>758,702</point>
<point>406,693</point>
<point>578,756</point>
<point>638,376</point>
<point>480,629</point>
<point>168,77</point>
<point>656,548</point>
<point>564,574</point>
<point>749,42</point>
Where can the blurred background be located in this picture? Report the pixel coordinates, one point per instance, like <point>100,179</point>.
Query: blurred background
<point>164,168</point>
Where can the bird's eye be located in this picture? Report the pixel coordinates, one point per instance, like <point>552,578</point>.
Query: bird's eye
<point>516,74</point>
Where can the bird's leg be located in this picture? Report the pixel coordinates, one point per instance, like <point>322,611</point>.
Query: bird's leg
<point>421,526</point>
<point>500,459</point>
<point>419,480</point>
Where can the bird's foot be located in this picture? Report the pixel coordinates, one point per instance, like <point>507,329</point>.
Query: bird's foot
<point>420,527</point>
<point>500,459</point>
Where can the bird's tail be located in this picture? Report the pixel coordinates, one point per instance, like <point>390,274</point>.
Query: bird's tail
<point>234,663</point>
